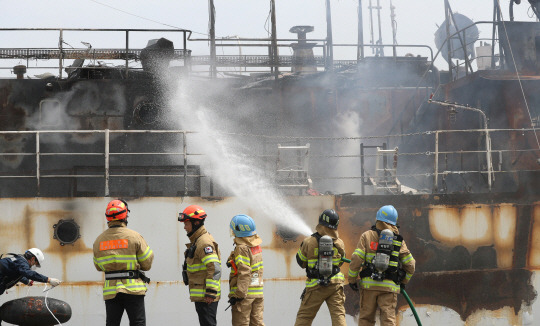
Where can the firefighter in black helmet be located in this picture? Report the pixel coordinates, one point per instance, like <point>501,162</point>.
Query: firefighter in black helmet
<point>320,254</point>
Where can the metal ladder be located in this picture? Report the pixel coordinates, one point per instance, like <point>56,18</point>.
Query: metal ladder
<point>292,167</point>
<point>385,179</point>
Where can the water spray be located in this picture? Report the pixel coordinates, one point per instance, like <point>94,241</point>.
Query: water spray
<point>233,169</point>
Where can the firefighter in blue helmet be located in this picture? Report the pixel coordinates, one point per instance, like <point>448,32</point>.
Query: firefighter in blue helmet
<point>246,278</point>
<point>383,263</point>
<point>20,268</point>
<point>320,254</point>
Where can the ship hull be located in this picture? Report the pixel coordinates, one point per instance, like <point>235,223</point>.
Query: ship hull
<point>477,255</point>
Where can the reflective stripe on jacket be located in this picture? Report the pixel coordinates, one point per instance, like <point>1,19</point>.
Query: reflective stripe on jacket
<point>204,269</point>
<point>365,252</point>
<point>308,254</point>
<point>119,249</point>
<point>247,255</point>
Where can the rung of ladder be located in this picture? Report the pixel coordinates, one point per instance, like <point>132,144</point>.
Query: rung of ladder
<point>293,147</point>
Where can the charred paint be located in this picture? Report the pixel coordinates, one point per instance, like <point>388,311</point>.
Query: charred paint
<point>469,291</point>
<point>534,257</point>
<point>287,245</point>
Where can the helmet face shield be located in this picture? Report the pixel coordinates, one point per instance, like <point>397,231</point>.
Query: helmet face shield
<point>182,217</point>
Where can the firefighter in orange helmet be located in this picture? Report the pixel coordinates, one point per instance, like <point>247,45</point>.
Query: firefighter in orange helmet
<point>202,265</point>
<point>383,264</point>
<point>122,254</point>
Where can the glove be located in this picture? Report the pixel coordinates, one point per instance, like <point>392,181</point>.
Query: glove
<point>234,300</point>
<point>402,286</point>
<point>354,286</point>
<point>54,282</point>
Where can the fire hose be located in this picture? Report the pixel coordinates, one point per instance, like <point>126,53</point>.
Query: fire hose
<point>412,306</point>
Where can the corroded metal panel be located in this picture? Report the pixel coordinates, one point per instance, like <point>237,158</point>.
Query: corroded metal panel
<point>469,251</point>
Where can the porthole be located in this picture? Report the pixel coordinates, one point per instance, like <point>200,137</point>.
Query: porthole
<point>66,231</point>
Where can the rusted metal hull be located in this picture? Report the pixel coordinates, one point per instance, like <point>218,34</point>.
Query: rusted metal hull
<point>477,255</point>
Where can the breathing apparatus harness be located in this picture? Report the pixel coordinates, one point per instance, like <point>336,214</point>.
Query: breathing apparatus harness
<point>324,268</point>
<point>385,265</point>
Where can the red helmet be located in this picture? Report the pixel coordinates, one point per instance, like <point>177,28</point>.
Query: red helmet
<point>116,210</point>
<point>193,212</point>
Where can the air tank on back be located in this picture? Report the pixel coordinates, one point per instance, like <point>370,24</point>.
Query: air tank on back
<point>471,36</point>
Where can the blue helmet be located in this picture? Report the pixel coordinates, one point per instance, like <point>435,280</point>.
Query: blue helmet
<point>387,214</point>
<point>243,226</point>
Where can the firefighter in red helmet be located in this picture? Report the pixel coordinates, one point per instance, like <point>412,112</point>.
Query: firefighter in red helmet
<point>202,265</point>
<point>122,254</point>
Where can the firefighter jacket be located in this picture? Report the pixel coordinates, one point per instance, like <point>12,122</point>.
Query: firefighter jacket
<point>365,252</point>
<point>308,255</point>
<point>247,279</point>
<point>121,249</point>
<point>16,269</point>
<point>203,262</point>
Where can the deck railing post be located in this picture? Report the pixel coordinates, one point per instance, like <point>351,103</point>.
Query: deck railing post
<point>37,163</point>
<point>185,163</point>
<point>436,167</point>
<point>107,158</point>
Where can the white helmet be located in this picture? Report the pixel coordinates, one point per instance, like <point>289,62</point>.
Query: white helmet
<point>38,254</point>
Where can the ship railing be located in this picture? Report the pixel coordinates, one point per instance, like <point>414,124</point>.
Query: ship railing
<point>322,56</point>
<point>63,52</point>
<point>333,161</point>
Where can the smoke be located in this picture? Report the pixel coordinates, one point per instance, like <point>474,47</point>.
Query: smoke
<point>347,124</point>
<point>227,160</point>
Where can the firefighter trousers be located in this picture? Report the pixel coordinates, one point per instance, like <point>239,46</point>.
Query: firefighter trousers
<point>248,312</point>
<point>334,297</point>
<point>132,304</point>
<point>207,313</point>
<point>370,300</point>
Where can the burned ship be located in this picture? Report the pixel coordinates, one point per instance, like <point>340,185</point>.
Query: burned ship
<point>281,138</point>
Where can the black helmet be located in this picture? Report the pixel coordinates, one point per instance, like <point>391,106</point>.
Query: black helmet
<point>329,218</point>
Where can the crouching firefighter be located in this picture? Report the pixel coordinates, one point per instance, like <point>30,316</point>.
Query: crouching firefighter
<point>202,266</point>
<point>246,278</point>
<point>123,255</point>
<point>383,263</point>
<point>320,254</point>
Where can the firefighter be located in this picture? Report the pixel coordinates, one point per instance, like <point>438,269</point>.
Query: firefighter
<point>21,268</point>
<point>122,254</point>
<point>246,278</point>
<point>383,264</point>
<point>202,265</point>
<point>324,279</point>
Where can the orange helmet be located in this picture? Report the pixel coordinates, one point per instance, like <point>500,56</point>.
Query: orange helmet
<point>116,210</point>
<point>193,212</point>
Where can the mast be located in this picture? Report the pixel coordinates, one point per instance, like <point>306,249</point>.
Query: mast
<point>274,49</point>
<point>360,46</point>
<point>329,41</point>
<point>212,13</point>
